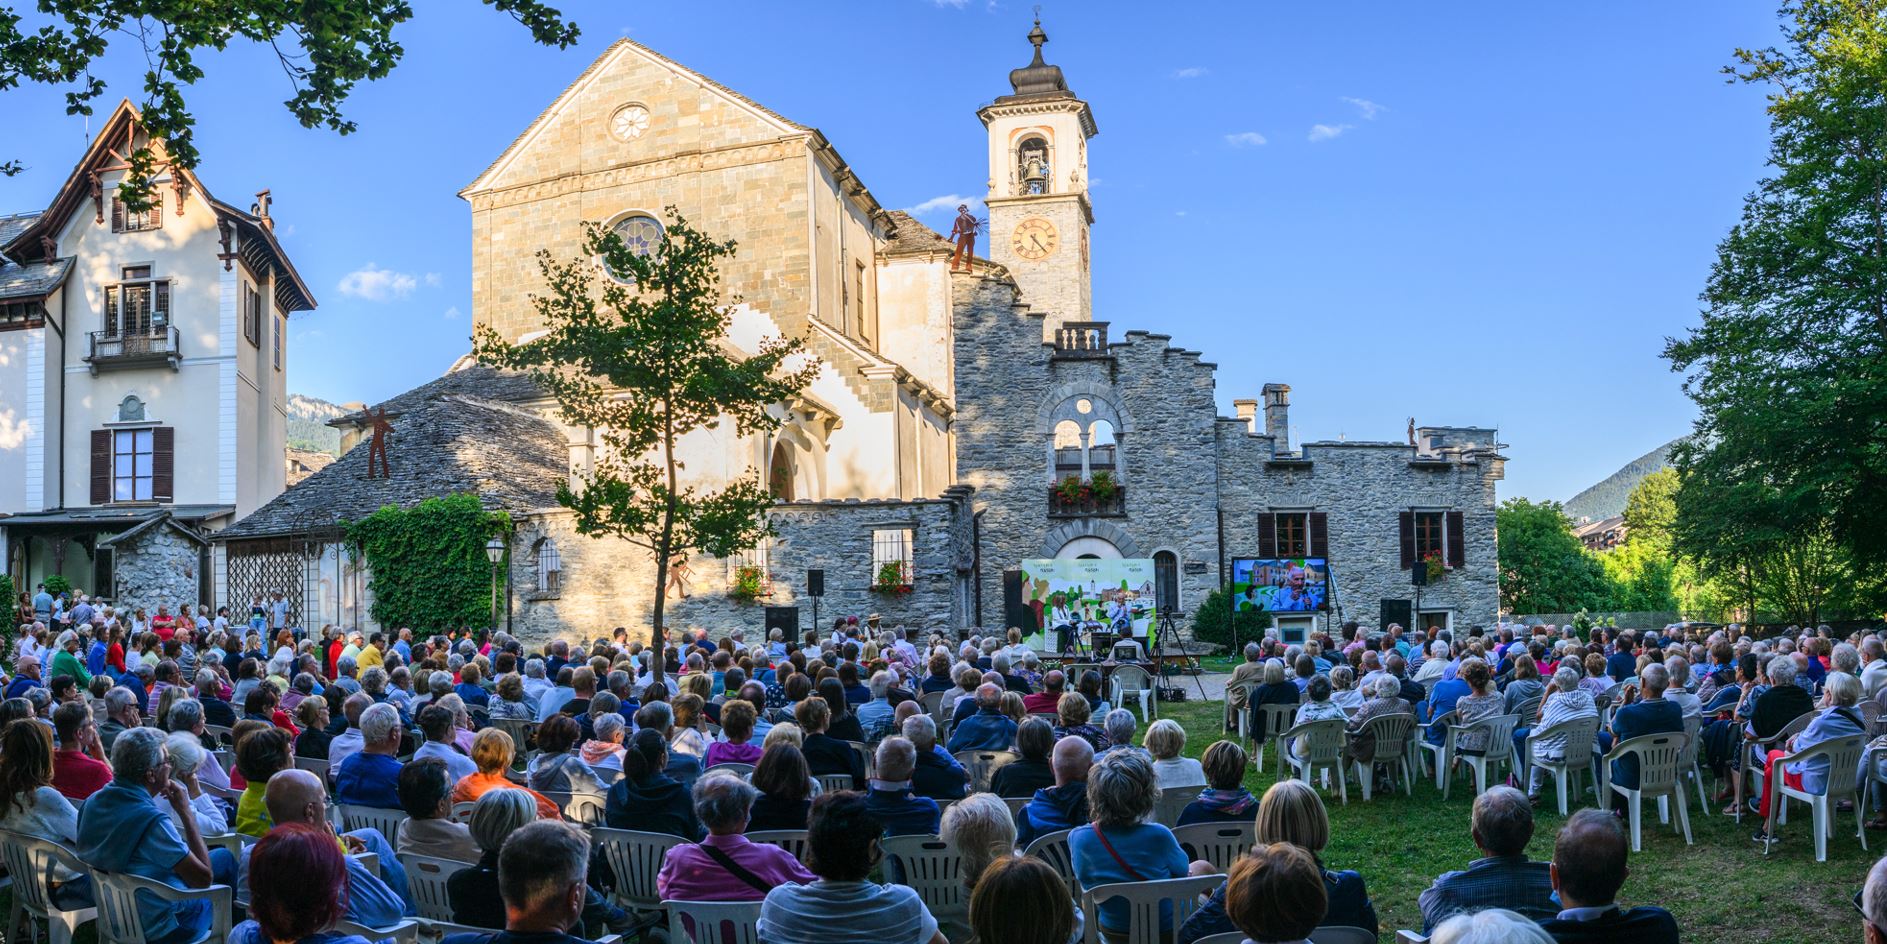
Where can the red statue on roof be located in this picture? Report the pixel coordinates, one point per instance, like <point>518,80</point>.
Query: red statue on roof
<point>382,431</point>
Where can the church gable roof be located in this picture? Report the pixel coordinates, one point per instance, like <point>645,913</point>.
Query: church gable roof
<point>620,56</point>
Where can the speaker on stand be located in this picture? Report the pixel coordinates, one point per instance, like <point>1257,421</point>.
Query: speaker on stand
<point>815,588</point>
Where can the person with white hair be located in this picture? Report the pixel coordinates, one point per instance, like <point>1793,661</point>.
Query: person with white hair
<point>1564,700</point>
<point>875,716</point>
<point>1119,725</point>
<point>1165,741</point>
<point>1637,716</point>
<point>1493,926</point>
<point>124,829</point>
<point>371,777</point>
<point>1837,719</point>
<point>1385,698</point>
<point>725,866</point>
<point>1874,904</point>
<point>186,755</point>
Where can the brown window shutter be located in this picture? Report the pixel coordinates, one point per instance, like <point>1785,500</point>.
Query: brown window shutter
<point>1268,536</point>
<point>1319,534</point>
<point>157,210</point>
<point>163,462</point>
<point>1406,524</point>
<point>1457,541</point>
<point>101,466</point>
<point>117,215</point>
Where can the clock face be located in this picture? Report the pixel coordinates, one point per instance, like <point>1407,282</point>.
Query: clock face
<point>1035,238</point>
<point>629,122</point>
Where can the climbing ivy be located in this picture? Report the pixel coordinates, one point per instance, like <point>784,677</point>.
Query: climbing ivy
<point>428,564</point>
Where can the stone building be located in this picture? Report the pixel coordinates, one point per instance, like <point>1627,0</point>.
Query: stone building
<point>949,402</point>
<point>142,364</point>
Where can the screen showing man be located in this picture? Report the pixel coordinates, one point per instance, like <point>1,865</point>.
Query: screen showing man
<point>1296,585</point>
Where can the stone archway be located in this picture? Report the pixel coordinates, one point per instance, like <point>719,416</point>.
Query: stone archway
<point>1089,548</point>
<point>1065,536</point>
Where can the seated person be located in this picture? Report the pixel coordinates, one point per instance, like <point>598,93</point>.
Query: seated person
<point>1504,878</point>
<point>440,727</point>
<point>475,894</point>
<point>371,777</point>
<point>1275,892</point>
<point>1165,741</point>
<point>425,790</point>
<point>890,798</point>
<point>646,798</point>
<point>737,726</point>
<point>826,754</point>
<point>1588,870</point>
<point>315,737</point>
<point>1225,799</point>
<point>1054,684</point>
<point>785,787</point>
<point>1291,812</point>
<point>121,829</point>
<point>1023,900</point>
<point>1064,805</point>
<point>1494,924</point>
<point>1273,689</point>
<point>296,797</point>
<point>556,767</point>
<point>1122,844</point>
<point>31,806</point>
<point>492,751</point>
<point>261,753</point>
<point>1075,714</point>
<point>843,847</point>
<point>725,866</point>
<point>300,883</point>
<point>541,876</point>
<point>78,766</point>
<point>1035,738</point>
<point>603,751</point>
<point>987,730</point>
<point>938,775</point>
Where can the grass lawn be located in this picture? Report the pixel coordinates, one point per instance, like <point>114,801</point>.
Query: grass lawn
<point>1722,889</point>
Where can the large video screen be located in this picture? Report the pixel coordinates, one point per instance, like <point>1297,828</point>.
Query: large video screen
<point>1289,585</point>
<point>1115,593</point>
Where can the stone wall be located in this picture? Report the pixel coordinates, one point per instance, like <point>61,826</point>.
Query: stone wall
<point>609,582</point>
<point>156,566</point>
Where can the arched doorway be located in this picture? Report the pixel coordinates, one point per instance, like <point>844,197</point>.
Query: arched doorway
<point>780,473</point>
<point>1089,548</point>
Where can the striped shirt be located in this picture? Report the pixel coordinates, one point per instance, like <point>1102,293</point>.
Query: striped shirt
<point>845,913</point>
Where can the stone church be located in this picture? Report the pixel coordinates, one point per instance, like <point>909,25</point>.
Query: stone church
<point>950,399</point>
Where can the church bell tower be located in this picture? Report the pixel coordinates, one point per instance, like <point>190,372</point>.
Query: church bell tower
<point>1039,212</point>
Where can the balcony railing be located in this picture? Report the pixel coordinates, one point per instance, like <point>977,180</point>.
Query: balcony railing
<point>1100,458</point>
<point>1081,339</point>
<point>111,350</point>
<point>1085,506</point>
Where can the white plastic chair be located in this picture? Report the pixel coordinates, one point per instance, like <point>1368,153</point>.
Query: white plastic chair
<point>1440,750</point>
<point>1218,843</point>
<point>1275,719</point>
<point>1052,848</point>
<point>743,771</point>
<point>1687,766</point>
<point>1756,754</point>
<point>1657,777</point>
<point>1133,681</point>
<point>713,922</point>
<point>1500,749</point>
<point>313,765</point>
<point>1144,901</point>
<point>792,840</point>
<point>1580,733</point>
<point>982,766</point>
<point>934,869</point>
<point>1244,713</point>
<point>1844,756</point>
<point>833,783</point>
<point>405,932</point>
<point>1172,802</point>
<point>1323,750</point>
<point>31,863</point>
<point>372,817</point>
<point>1229,937</point>
<point>426,878</point>
<point>118,918</point>
<point>462,811</point>
<point>635,858</point>
<point>1392,734</point>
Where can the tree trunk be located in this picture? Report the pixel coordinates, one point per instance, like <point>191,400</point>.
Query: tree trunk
<point>664,551</point>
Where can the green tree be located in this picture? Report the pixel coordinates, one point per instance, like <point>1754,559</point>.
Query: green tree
<point>1213,622</point>
<point>1543,567</point>
<point>1788,366</point>
<point>1651,509</point>
<point>325,49</point>
<point>642,359</point>
<point>1642,576</point>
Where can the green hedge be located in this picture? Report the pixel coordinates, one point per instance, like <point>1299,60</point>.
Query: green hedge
<point>1211,623</point>
<point>429,569</point>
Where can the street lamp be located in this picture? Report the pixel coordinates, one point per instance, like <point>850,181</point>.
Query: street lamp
<point>494,552</point>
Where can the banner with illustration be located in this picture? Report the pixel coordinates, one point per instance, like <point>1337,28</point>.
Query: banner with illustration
<point>1118,594</point>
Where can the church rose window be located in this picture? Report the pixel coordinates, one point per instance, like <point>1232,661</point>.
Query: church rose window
<point>641,234</point>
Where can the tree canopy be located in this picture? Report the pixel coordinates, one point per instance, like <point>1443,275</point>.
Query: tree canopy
<point>1543,567</point>
<point>325,50</point>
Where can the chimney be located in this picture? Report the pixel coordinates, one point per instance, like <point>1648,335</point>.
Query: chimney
<point>1247,413</point>
<point>1278,416</point>
<point>261,209</point>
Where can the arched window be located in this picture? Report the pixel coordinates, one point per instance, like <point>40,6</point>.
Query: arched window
<point>1101,445</point>
<point>780,473</point>
<point>1032,168</point>
<point>1068,447</point>
<point>549,566</point>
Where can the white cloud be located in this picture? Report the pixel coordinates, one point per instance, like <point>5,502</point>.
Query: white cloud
<point>432,280</point>
<point>452,314</point>
<point>1190,72</point>
<point>376,284</point>
<point>309,335</point>
<point>1244,139</point>
<point>1369,109</point>
<point>952,4</point>
<point>13,432</point>
<point>1326,132</point>
<point>948,201</point>
<point>1179,212</point>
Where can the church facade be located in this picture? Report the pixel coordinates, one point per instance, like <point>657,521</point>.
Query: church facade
<point>955,400</point>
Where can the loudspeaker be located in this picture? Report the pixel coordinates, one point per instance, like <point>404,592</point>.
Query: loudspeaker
<point>1418,575</point>
<point>785,619</point>
<point>1014,613</point>
<point>815,582</point>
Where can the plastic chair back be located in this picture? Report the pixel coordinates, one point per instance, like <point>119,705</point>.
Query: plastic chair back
<point>1132,680</point>
<point>1273,720</point>
<point>32,863</point>
<point>1580,734</point>
<point>364,817</point>
<point>713,922</point>
<point>1218,843</point>
<point>792,840</point>
<point>1392,736</point>
<point>743,771</point>
<point>932,868</point>
<point>426,879</point>
<point>1657,760</point>
<point>1144,901</point>
<point>1173,801</point>
<point>982,765</point>
<point>1322,741</point>
<point>1053,849</point>
<point>833,783</point>
<point>635,858</point>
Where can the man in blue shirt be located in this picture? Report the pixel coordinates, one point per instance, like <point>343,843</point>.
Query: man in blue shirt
<point>1064,805</point>
<point>372,776</point>
<point>1652,714</point>
<point>42,605</point>
<point>25,677</point>
<point>121,829</point>
<point>296,796</point>
<point>891,799</point>
<point>1623,662</point>
<point>1505,878</point>
<point>938,775</point>
<point>987,730</point>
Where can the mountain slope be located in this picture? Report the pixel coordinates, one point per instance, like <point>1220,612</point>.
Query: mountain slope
<point>307,424</point>
<point>1607,498</point>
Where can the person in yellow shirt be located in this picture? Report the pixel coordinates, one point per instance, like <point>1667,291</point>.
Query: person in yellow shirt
<point>373,653</point>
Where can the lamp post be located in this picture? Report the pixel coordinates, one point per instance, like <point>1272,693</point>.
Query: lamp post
<point>494,552</point>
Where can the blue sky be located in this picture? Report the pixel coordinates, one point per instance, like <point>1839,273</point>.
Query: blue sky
<point>1486,214</point>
